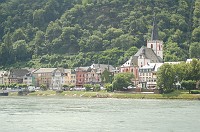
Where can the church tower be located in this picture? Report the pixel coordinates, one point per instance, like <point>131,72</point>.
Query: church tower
<point>154,43</point>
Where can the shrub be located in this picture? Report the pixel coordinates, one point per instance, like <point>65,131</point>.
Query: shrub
<point>108,87</point>
<point>97,87</point>
<point>195,92</point>
<point>88,87</point>
<point>168,91</point>
<point>189,84</point>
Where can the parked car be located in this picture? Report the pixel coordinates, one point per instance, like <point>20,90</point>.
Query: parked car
<point>31,88</point>
<point>37,88</point>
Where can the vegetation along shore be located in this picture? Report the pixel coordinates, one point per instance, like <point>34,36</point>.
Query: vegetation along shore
<point>84,94</point>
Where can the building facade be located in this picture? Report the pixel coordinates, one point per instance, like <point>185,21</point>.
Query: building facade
<point>69,77</point>
<point>43,76</point>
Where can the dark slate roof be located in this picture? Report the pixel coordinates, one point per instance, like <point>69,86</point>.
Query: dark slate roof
<point>102,67</point>
<point>150,54</point>
<point>140,51</point>
<point>131,62</point>
<point>18,72</point>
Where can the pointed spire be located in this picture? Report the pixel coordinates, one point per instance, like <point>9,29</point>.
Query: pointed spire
<point>154,34</point>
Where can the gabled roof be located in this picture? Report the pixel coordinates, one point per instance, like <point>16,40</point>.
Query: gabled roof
<point>18,72</point>
<point>44,70</point>
<point>102,67</point>
<point>87,68</point>
<point>131,62</point>
<point>71,71</point>
<point>148,53</point>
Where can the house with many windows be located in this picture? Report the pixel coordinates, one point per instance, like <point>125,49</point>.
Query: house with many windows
<point>69,77</point>
<point>57,79</point>
<point>3,74</point>
<point>147,75</point>
<point>81,73</point>
<point>16,76</point>
<point>43,76</point>
<point>92,74</point>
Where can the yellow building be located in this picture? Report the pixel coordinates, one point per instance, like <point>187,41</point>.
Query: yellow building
<point>69,77</point>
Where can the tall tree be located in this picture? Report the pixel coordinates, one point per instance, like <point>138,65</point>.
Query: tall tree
<point>166,76</point>
<point>122,80</point>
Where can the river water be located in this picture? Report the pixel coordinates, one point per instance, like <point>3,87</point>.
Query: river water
<point>61,114</point>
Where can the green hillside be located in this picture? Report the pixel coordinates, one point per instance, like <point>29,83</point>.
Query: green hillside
<point>70,33</point>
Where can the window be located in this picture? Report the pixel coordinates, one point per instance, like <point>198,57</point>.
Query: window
<point>152,46</point>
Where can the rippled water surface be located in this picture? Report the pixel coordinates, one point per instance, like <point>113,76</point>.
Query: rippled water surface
<point>54,114</point>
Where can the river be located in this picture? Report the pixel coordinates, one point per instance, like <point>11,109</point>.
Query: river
<point>61,114</point>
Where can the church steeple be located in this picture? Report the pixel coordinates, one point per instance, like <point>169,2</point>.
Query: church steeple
<point>155,44</point>
<point>154,34</point>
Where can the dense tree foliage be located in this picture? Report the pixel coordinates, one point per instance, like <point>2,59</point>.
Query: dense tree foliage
<point>69,33</point>
<point>122,81</point>
<point>185,73</point>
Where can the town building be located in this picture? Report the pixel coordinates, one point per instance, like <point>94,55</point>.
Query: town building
<point>28,78</point>
<point>43,76</point>
<point>2,76</point>
<point>16,76</point>
<point>148,75</point>
<point>81,72</point>
<point>94,76</point>
<point>69,77</point>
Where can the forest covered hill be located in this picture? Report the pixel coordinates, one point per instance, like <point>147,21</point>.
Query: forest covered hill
<point>71,33</point>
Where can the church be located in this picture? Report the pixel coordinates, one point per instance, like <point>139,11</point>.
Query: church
<point>151,53</point>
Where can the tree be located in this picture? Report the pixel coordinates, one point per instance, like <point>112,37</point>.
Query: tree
<point>18,35</point>
<point>122,80</point>
<point>124,41</point>
<point>189,85</point>
<point>53,31</point>
<point>20,50</point>
<point>194,71</point>
<point>108,87</point>
<point>180,71</point>
<point>106,76</point>
<point>38,18</point>
<point>88,87</point>
<point>194,50</point>
<point>173,52</point>
<point>94,43</point>
<point>97,87</point>
<point>112,33</point>
<point>196,34</point>
<point>39,43</point>
<point>130,52</point>
<point>166,77</point>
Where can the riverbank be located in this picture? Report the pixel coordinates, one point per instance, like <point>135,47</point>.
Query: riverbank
<point>175,95</point>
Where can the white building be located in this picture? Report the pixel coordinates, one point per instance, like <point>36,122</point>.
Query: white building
<point>147,75</point>
<point>57,78</point>
<point>2,74</point>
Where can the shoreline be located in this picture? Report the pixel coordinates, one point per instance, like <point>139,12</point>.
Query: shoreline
<point>84,94</point>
